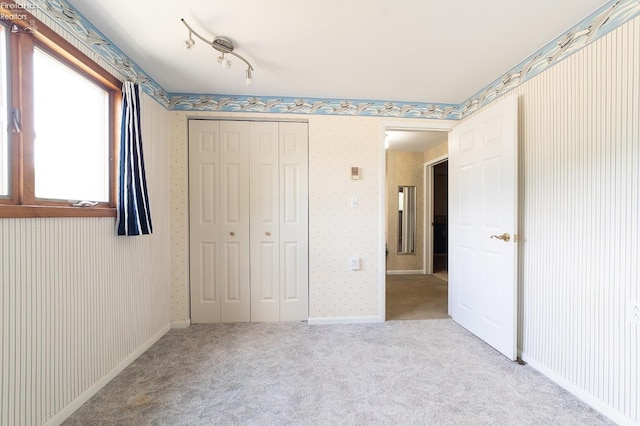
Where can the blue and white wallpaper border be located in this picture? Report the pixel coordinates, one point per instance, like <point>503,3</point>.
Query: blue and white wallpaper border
<point>605,19</point>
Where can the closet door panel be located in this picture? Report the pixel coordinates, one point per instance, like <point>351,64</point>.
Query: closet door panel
<point>265,254</point>
<point>291,278</point>
<point>204,213</point>
<point>233,273</point>
<point>294,221</point>
<point>234,221</point>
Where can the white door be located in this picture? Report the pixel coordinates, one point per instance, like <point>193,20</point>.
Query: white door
<point>265,223</point>
<point>248,191</point>
<point>234,221</point>
<point>482,225</point>
<point>279,222</point>
<point>219,221</point>
<point>204,220</point>
<point>294,221</point>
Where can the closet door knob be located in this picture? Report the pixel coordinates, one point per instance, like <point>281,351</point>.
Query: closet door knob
<point>268,234</point>
<point>232,233</point>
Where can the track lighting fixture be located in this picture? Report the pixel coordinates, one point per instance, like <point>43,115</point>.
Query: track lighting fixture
<point>226,63</point>
<point>222,45</point>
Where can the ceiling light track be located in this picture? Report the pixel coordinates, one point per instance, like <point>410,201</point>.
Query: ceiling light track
<point>222,45</point>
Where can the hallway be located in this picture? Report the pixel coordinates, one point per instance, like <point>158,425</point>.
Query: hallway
<point>416,297</point>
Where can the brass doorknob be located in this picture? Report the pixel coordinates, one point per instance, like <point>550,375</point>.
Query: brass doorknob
<point>268,234</point>
<point>504,237</point>
<point>232,233</point>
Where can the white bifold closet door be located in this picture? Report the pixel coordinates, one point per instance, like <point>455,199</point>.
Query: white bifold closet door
<point>219,221</point>
<point>248,186</point>
<point>279,221</point>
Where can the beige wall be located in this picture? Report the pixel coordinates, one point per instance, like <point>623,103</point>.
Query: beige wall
<point>336,231</point>
<point>438,150</point>
<point>404,169</point>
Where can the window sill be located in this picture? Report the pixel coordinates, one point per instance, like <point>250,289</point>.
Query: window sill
<point>7,211</point>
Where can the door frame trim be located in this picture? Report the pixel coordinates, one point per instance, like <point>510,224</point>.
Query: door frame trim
<point>418,125</point>
<point>428,212</point>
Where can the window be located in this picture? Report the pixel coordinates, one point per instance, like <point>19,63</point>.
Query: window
<point>60,108</point>
<point>71,161</point>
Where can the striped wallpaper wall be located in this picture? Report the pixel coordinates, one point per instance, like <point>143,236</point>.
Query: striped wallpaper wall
<point>579,131</point>
<point>75,300</point>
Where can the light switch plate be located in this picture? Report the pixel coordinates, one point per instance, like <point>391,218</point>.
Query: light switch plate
<point>355,263</point>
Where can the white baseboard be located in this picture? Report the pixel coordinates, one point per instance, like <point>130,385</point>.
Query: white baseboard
<point>344,320</point>
<point>181,324</point>
<point>581,394</point>
<point>67,411</point>
<point>405,272</point>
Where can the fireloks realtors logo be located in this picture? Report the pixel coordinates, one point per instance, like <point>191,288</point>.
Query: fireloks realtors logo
<point>14,11</point>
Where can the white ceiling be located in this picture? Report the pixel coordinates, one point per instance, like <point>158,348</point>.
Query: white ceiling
<point>408,50</point>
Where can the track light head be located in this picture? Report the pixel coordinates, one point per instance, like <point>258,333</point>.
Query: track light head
<point>226,63</point>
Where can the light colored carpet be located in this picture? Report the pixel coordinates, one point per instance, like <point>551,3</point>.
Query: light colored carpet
<point>395,373</point>
<point>416,297</point>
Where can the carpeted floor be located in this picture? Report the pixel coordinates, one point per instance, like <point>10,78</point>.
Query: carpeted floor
<point>416,297</point>
<point>393,373</point>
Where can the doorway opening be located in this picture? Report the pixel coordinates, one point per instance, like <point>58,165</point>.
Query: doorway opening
<point>417,163</point>
<point>439,218</point>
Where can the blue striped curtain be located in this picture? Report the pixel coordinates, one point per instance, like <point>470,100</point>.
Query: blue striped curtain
<point>134,217</point>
